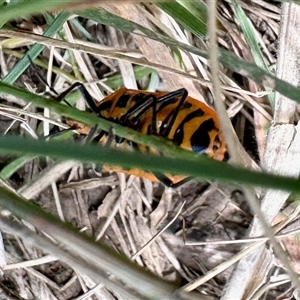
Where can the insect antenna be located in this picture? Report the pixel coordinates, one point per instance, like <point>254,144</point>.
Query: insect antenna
<point>52,90</point>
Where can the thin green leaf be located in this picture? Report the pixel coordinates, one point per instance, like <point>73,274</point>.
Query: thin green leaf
<point>81,29</point>
<point>249,32</point>
<point>14,166</point>
<point>36,49</point>
<point>196,166</point>
<point>29,7</point>
<point>153,83</point>
<point>43,64</point>
<point>192,15</point>
<point>115,81</point>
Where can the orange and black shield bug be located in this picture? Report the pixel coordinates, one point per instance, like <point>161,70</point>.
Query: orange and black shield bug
<point>175,116</point>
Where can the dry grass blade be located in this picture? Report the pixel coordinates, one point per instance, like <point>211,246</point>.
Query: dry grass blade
<point>105,53</point>
<point>231,140</point>
<point>75,252</point>
<point>158,233</point>
<point>44,179</point>
<point>153,51</point>
<point>42,242</point>
<point>281,157</point>
<point>31,263</point>
<point>219,269</point>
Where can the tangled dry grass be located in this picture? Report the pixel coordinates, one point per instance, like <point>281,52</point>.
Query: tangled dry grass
<point>177,234</point>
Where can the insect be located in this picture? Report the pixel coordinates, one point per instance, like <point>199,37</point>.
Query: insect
<point>174,116</point>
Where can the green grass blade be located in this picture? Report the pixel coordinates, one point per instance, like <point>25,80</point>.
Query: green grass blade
<point>115,81</point>
<point>36,49</point>
<point>251,40</point>
<point>12,167</point>
<point>199,166</point>
<point>191,15</point>
<point>43,64</point>
<point>29,7</point>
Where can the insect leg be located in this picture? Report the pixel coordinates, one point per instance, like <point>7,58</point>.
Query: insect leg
<point>90,102</point>
<point>88,98</point>
<point>146,105</point>
<point>182,93</point>
<point>40,77</point>
<point>55,134</point>
<point>168,182</point>
<point>162,101</point>
<point>150,101</point>
<point>106,144</point>
<point>153,129</point>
